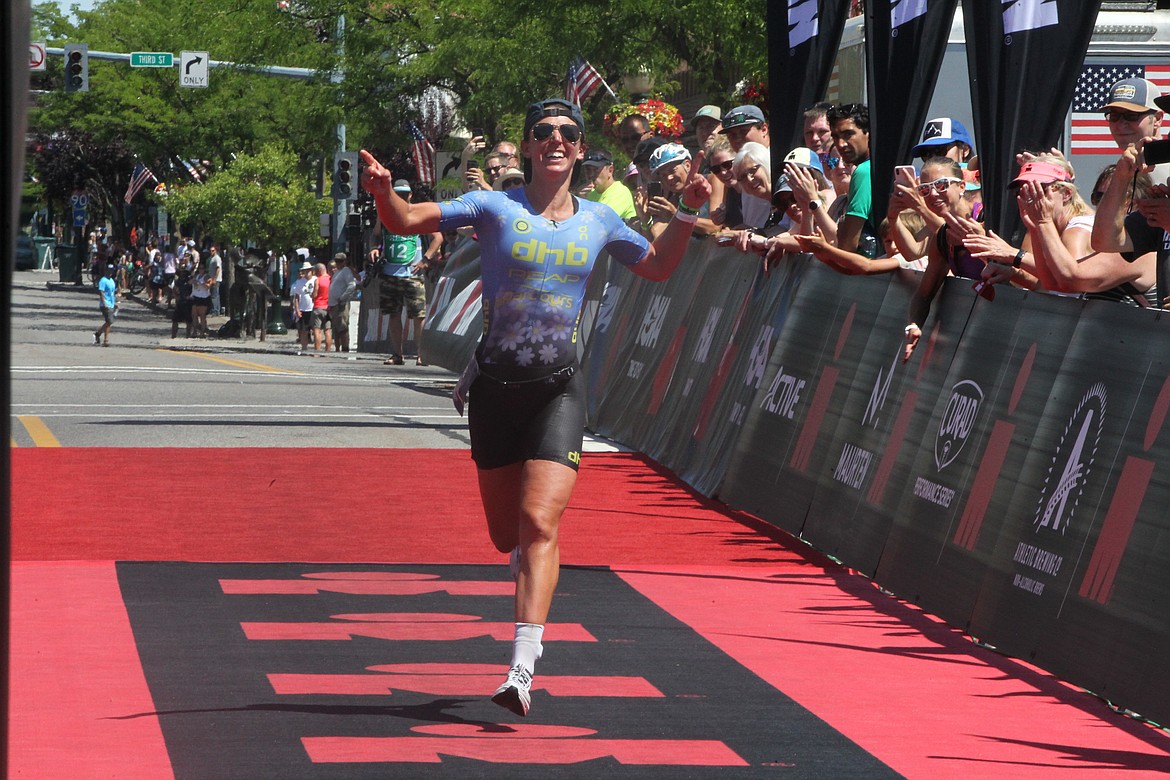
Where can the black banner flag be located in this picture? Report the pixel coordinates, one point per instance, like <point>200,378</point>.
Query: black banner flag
<point>1024,57</point>
<point>803,36</point>
<point>906,43</point>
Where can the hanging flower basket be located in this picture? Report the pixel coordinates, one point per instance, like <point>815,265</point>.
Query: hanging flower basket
<point>665,120</point>
<point>752,92</point>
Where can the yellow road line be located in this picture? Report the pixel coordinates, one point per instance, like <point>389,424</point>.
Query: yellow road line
<point>39,432</point>
<point>234,363</point>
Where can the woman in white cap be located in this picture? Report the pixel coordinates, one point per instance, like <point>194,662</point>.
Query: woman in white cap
<point>527,406</point>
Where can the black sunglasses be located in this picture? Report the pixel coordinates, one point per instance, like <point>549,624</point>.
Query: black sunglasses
<point>544,130</point>
<point>723,167</point>
<point>1113,115</point>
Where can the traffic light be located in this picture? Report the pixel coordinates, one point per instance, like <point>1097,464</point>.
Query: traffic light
<point>345,176</point>
<point>76,67</point>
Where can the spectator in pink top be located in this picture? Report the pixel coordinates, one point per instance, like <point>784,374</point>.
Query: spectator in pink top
<point>320,316</point>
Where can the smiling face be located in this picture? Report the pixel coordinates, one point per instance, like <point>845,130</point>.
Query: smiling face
<point>721,162</point>
<point>754,179</point>
<point>945,201</point>
<point>554,155</point>
<point>674,176</point>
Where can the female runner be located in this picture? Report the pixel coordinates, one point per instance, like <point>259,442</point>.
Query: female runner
<point>526,396</point>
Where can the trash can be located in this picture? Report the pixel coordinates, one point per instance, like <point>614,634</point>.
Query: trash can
<point>45,256</point>
<point>69,263</point>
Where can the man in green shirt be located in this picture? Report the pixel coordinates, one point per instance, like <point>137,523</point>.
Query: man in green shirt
<point>602,187</point>
<point>857,231</point>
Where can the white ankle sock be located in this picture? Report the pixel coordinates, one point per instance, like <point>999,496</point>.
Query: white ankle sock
<point>526,646</point>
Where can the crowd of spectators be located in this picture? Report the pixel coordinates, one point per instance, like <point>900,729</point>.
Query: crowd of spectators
<point>1106,243</point>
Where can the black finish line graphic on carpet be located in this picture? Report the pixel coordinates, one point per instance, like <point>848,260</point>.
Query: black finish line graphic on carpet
<point>355,671</point>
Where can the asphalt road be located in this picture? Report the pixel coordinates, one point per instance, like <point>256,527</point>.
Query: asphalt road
<point>148,390</point>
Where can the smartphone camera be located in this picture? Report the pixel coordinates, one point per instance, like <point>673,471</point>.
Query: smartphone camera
<point>654,189</point>
<point>1156,152</point>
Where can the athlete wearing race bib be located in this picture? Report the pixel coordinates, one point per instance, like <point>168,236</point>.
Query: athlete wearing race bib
<point>527,410</point>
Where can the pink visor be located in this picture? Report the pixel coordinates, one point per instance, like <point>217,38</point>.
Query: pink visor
<point>1040,171</point>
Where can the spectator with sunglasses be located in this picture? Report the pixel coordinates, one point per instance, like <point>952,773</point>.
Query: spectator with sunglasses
<point>1060,226</point>
<point>1133,113</point>
<point>602,187</point>
<point>942,189</point>
<point>527,405</point>
<point>725,207</point>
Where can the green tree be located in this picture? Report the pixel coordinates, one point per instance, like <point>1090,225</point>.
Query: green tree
<point>262,199</point>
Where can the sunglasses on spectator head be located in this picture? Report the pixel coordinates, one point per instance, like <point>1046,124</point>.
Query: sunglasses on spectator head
<point>544,130</point>
<point>828,162</point>
<point>938,185</point>
<point>1113,115</point>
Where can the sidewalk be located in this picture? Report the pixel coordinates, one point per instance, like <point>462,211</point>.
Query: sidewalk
<point>284,343</point>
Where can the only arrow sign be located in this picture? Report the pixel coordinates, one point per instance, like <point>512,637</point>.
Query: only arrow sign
<point>193,68</point>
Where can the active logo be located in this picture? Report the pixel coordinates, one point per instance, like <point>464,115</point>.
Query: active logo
<point>958,420</point>
<point>1072,463</point>
<point>1024,15</point>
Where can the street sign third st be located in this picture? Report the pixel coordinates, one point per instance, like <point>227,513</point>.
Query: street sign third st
<point>152,59</point>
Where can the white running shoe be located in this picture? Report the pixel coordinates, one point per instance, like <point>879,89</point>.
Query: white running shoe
<point>514,562</point>
<point>514,694</point>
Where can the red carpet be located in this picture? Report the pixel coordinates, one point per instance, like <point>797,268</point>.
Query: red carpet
<point>897,685</point>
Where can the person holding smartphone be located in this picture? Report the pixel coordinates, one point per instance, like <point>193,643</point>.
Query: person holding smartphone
<point>1142,231</point>
<point>526,395</point>
<point>670,173</point>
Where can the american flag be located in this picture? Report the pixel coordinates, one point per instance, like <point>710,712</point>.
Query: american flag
<point>1090,131</point>
<point>582,81</point>
<point>138,180</point>
<point>424,156</point>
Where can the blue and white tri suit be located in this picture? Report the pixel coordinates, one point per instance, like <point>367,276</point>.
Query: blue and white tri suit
<point>529,399</point>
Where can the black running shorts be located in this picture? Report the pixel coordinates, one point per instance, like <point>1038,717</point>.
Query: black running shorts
<point>514,422</point>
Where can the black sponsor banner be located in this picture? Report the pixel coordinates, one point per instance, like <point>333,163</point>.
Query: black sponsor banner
<point>803,37</point>
<point>940,544</point>
<point>1054,591</point>
<point>454,321</point>
<point>783,445</point>
<point>690,370</point>
<point>907,41</point>
<point>641,319</point>
<point>851,509</point>
<point>1024,58</point>
<point>737,376</point>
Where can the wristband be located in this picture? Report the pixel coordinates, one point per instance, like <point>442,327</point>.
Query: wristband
<point>684,208</point>
<point>1019,258</point>
<point>683,216</point>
